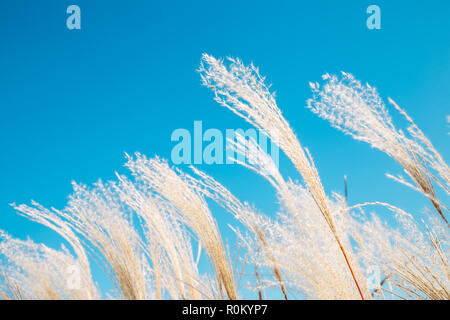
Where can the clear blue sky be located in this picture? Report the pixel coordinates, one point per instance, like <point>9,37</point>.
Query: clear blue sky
<point>73,101</point>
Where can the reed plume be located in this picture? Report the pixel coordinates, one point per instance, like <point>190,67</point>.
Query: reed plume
<point>242,90</point>
<point>141,230</point>
<point>413,256</point>
<point>99,217</point>
<point>358,111</point>
<point>36,271</point>
<point>170,184</point>
<point>299,240</point>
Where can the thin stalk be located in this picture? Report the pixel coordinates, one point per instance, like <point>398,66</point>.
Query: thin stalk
<point>258,282</point>
<point>349,267</point>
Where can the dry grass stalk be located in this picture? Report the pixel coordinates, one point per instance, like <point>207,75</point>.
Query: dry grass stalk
<point>248,216</point>
<point>302,225</point>
<point>242,90</point>
<point>37,272</point>
<point>156,175</point>
<point>9,289</point>
<point>99,217</point>
<point>307,246</point>
<point>415,256</point>
<point>169,243</point>
<point>358,111</point>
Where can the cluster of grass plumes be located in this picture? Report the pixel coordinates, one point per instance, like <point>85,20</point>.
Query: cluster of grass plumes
<point>242,90</point>
<point>148,232</point>
<point>414,256</point>
<point>358,110</point>
<point>172,185</point>
<point>299,241</point>
<point>38,272</point>
<point>139,231</point>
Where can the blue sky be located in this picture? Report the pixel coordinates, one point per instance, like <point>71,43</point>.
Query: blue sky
<point>73,101</point>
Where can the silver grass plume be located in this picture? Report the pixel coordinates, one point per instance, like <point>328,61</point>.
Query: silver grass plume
<point>358,111</point>
<point>171,184</point>
<point>242,90</point>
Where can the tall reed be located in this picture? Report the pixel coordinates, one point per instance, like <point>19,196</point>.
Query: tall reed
<point>242,90</point>
<point>358,111</point>
<point>142,230</point>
